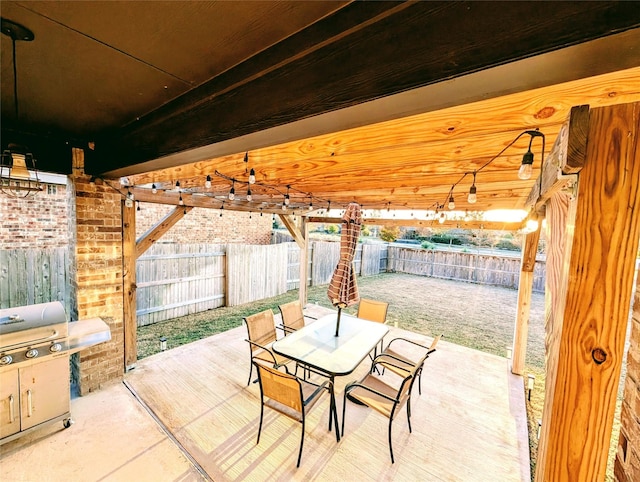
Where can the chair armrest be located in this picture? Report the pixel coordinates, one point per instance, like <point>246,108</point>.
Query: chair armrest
<point>285,329</point>
<point>390,360</point>
<point>264,348</point>
<point>407,340</point>
<point>352,385</point>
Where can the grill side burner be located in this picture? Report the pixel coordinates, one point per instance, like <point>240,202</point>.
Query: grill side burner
<point>35,344</point>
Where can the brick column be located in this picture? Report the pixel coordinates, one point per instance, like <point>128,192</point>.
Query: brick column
<point>627,465</point>
<point>96,252</point>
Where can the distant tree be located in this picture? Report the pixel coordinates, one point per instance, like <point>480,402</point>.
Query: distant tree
<point>365,231</point>
<point>389,233</point>
<point>332,229</point>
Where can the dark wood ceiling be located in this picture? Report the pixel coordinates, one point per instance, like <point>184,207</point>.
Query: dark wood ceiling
<point>182,88</point>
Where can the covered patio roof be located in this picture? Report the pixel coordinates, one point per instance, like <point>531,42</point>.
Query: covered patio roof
<point>389,104</point>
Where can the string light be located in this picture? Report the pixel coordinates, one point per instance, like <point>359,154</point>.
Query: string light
<point>452,203</point>
<point>154,189</point>
<point>232,193</point>
<point>442,218</point>
<point>252,176</point>
<point>249,196</point>
<point>472,198</point>
<point>138,208</point>
<point>177,184</point>
<point>207,183</point>
<point>180,201</point>
<point>287,200</point>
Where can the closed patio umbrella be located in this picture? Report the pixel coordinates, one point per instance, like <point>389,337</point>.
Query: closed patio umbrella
<point>343,288</point>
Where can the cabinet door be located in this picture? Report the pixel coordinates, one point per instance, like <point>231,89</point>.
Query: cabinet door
<point>44,391</point>
<point>9,403</point>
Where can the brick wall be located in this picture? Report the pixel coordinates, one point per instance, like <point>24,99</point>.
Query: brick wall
<point>206,225</point>
<point>39,221</point>
<point>97,275</point>
<point>627,465</point>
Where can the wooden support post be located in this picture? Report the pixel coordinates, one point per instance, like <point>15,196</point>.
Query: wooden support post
<point>591,317</point>
<point>304,263</point>
<point>525,288</point>
<point>129,281</point>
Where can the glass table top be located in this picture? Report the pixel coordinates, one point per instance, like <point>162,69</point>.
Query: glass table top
<point>316,344</point>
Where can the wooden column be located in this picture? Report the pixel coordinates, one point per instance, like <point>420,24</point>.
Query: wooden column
<point>580,404</point>
<point>304,263</point>
<point>525,288</point>
<point>129,279</point>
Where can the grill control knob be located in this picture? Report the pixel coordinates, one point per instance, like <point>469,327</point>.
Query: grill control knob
<point>55,348</point>
<point>31,353</point>
<point>5,359</point>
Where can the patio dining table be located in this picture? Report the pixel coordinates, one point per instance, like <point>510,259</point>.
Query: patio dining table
<point>316,346</point>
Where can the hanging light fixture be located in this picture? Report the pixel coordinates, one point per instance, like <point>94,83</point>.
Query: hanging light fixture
<point>249,196</point>
<point>207,182</point>
<point>18,173</point>
<point>252,176</point>
<point>526,167</point>
<point>472,198</point>
<point>180,201</point>
<point>154,189</point>
<point>452,203</point>
<point>232,193</point>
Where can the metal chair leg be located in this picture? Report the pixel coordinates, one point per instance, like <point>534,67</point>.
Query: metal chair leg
<point>390,445</point>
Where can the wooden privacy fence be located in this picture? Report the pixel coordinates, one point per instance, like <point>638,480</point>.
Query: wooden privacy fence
<point>470,267</point>
<point>179,279</point>
<point>174,280</point>
<point>34,276</point>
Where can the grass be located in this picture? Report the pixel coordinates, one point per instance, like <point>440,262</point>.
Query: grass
<point>476,316</point>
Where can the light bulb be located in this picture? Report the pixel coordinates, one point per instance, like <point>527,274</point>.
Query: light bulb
<point>232,194</point>
<point>286,199</point>
<point>249,196</point>
<point>129,195</point>
<point>284,206</point>
<point>128,202</point>
<point>207,183</point>
<point>177,184</point>
<point>154,189</point>
<point>252,176</point>
<point>442,218</point>
<point>472,198</point>
<point>452,203</point>
<point>531,226</point>
<point>526,168</point>
<point>310,206</point>
<point>180,201</point>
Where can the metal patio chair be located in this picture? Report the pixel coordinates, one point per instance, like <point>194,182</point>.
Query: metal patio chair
<point>261,330</point>
<point>405,354</point>
<point>373,310</point>
<point>385,399</point>
<point>292,397</point>
<point>292,316</point>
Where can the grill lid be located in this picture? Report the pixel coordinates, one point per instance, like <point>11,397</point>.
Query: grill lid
<point>30,323</point>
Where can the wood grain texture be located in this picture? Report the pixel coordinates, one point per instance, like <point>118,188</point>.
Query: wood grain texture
<point>129,285</point>
<point>157,231</point>
<point>525,289</point>
<point>411,162</point>
<point>578,415</point>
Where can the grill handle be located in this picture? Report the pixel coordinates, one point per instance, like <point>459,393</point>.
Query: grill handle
<point>11,411</point>
<point>30,404</point>
<point>54,334</point>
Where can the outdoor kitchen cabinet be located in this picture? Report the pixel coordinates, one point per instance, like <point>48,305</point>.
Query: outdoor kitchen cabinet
<point>33,395</point>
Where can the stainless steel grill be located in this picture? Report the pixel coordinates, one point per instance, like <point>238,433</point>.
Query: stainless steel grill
<point>35,344</point>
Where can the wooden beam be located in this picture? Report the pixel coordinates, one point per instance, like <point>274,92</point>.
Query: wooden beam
<point>129,274</point>
<point>578,417</point>
<point>448,224</point>
<point>525,289</point>
<point>293,229</point>
<point>566,157</point>
<point>159,230</point>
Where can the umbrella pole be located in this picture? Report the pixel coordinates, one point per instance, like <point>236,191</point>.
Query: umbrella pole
<point>338,322</point>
